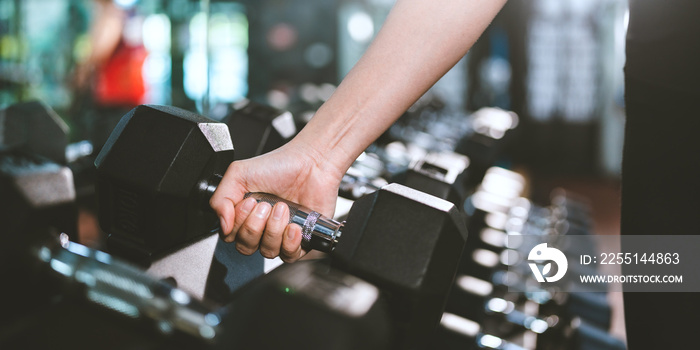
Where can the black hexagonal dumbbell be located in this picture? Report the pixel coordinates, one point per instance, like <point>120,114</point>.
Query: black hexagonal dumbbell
<point>35,128</point>
<point>160,165</point>
<point>37,198</point>
<point>330,309</point>
<point>441,174</point>
<point>65,286</point>
<point>257,129</point>
<point>150,178</point>
<point>37,195</point>
<point>107,297</point>
<point>35,185</point>
<point>491,132</point>
<point>402,240</point>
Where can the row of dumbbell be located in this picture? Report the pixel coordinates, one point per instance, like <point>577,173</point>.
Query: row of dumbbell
<point>428,173</point>
<point>469,146</point>
<point>39,186</point>
<point>498,202</point>
<point>34,142</point>
<point>489,293</point>
<point>562,215</point>
<point>370,253</point>
<point>259,129</point>
<point>496,208</point>
<point>415,291</point>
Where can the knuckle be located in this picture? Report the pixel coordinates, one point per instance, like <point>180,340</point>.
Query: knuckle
<point>240,219</point>
<point>251,229</point>
<point>241,248</point>
<point>273,232</point>
<point>248,241</point>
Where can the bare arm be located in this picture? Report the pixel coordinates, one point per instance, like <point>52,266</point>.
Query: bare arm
<point>105,35</point>
<point>419,42</point>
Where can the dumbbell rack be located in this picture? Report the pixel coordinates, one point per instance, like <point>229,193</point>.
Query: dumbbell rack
<point>491,306</point>
<point>488,306</point>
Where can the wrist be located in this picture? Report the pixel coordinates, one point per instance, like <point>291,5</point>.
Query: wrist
<point>316,157</point>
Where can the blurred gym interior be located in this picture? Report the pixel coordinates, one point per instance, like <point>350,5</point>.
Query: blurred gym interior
<point>550,73</point>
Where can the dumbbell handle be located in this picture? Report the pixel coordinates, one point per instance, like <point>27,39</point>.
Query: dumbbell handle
<point>317,231</point>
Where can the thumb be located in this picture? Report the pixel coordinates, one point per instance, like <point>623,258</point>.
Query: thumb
<point>229,192</point>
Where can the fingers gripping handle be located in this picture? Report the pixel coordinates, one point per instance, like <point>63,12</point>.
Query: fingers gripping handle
<point>318,232</point>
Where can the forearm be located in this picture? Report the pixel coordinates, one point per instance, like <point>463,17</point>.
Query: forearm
<point>106,32</point>
<point>419,42</point>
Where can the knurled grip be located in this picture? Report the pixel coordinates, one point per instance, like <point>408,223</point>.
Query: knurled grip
<point>272,199</point>
<point>318,232</point>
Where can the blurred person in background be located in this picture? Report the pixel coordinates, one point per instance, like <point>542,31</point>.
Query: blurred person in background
<point>110,81</point>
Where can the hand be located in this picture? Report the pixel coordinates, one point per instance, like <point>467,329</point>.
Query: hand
<point>292,172</point>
